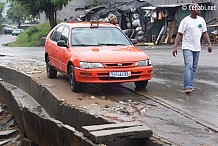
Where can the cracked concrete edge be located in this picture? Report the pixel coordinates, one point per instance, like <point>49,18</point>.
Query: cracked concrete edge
<point>36,124</point>
<point>54,107</point>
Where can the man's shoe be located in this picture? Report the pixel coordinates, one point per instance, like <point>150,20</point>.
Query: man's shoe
<point>188,90</point>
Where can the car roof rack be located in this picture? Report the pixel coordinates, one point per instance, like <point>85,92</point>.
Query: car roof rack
<point>94,23</point>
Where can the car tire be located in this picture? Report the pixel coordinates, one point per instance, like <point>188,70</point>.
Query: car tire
<point>51,71</point>
<point>74,85</point>
<point>141,84</point>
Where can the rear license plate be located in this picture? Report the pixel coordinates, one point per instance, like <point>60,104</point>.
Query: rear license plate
<point>119,74</point>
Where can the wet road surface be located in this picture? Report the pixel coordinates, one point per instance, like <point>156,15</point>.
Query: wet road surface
<point>170,113</point>
<point>10,57</point>
<point>167,83</point>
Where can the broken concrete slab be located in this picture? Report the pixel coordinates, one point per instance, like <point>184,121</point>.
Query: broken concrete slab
<point>138,132</point>
<point>106,135</point>
<point>111,132</point>
<point>87,129</point>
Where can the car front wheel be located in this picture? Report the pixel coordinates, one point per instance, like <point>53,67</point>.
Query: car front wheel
<point>74,85</point>
<point>141,84</point>
<point>51,72</point>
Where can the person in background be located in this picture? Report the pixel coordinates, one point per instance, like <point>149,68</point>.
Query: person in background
<point>190,31</point>
<point>112,19</point>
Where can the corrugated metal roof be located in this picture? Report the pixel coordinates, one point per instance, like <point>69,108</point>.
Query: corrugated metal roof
<point>174,5</point>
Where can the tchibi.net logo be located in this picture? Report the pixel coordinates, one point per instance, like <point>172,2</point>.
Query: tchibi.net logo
<point>199,7</point>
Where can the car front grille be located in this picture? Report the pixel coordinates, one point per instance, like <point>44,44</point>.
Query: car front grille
<point>127,64</point>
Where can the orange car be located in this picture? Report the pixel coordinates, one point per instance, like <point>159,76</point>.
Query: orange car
<point>95,52</point>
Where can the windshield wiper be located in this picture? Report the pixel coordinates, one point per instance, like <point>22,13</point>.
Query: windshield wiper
<point>107,44</point>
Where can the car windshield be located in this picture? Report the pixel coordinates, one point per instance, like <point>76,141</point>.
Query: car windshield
<point>17,30</point>
<point>98,36</point>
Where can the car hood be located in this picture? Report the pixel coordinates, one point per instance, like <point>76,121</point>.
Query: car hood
<point>111,53</point>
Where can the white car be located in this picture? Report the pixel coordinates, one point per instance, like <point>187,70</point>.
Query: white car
<point>17,32</point>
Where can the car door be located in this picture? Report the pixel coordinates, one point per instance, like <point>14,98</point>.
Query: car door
<point>63,56</point>
<point>54,54</point>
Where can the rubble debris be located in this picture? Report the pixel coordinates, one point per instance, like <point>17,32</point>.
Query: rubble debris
<point>93,97</point>
<point>94,104</point>
<point>34,72</point>
<point>79,98</point>
<point>143,111</point>
<point>1,110</point>
<point>129,107</point>
<point>7,132</point>
<point>5,141</point>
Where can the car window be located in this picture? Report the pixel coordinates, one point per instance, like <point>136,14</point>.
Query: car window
<point>98,36</point>
<point>65,34</point>
<point>57,33</point>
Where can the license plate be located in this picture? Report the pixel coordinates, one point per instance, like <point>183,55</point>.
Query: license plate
<point>119,74</point>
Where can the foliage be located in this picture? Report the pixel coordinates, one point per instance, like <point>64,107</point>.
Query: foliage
<point>97,2</point>
<point>1,6</point>
<point>32,36</point>
<point>1,9</point>
<point>50,8</point>
<point>17,11</point>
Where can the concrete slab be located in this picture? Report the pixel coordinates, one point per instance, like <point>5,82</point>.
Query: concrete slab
<point>111,126</point>
<point>111,132</point>
<point>87,129</point>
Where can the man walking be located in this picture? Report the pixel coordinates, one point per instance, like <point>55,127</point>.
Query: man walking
<point>190,31</point>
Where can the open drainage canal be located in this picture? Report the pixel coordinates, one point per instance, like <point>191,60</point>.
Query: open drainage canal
<point>47,121</point>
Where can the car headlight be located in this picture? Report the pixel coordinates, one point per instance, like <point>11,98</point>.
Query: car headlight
<point>91,65</point>
<point>143,63</point>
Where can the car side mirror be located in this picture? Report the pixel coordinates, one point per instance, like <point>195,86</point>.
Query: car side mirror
<point>62,43</point>
<point>134,41</point>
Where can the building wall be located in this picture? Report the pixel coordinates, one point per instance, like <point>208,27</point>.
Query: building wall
<point>69,10</point>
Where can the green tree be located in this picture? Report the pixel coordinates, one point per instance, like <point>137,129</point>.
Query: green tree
<point>97,2</point>
<point>1,10</point>
<point>17,11</point>
<point>50,8</point>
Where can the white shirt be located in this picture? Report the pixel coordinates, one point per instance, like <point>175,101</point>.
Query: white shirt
<point>192,30</point>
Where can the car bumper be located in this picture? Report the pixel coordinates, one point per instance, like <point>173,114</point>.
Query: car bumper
<point>102,75</point>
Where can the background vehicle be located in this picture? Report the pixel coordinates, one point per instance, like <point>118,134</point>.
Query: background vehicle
<point>16,32</point>
<point>95,53</point>
<point>8,30</point>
